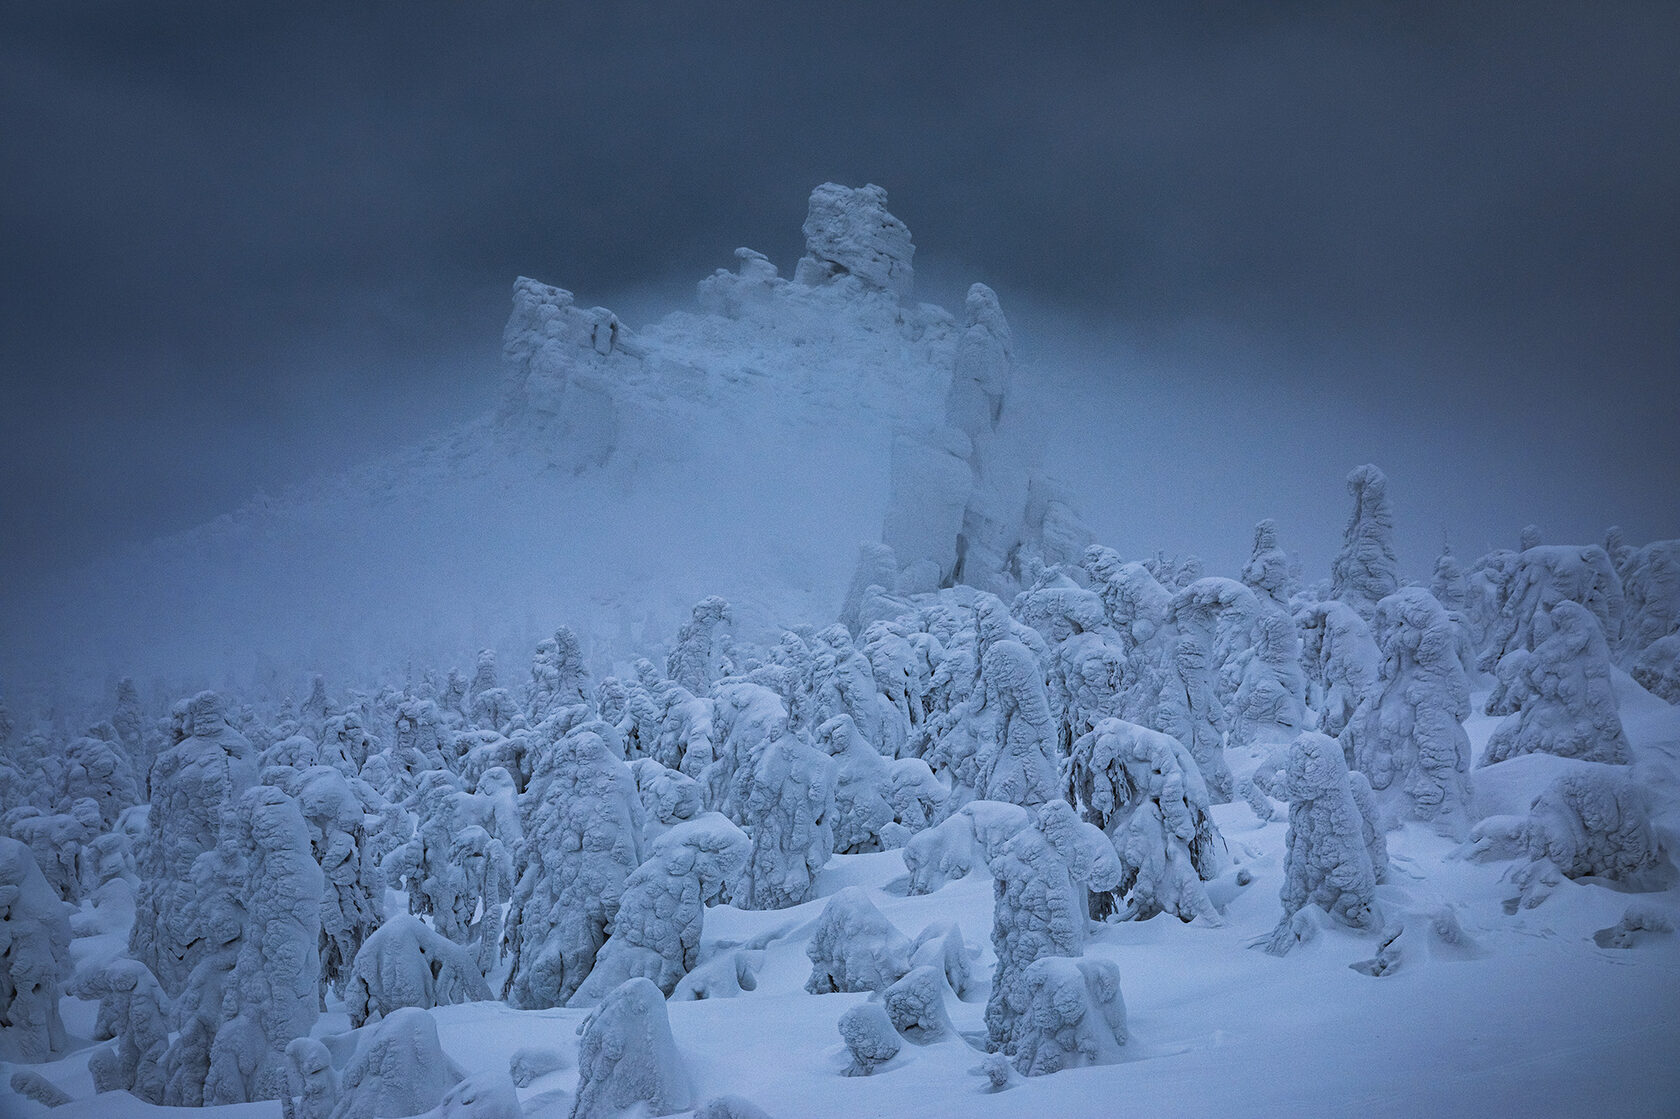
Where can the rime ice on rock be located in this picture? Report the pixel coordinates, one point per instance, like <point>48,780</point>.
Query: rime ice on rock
<point>1364,571</point>
<point>560,362</point>
<point>1568,701</point>
<point>1142,788</point>
<point>1326,860</point>
<point>1409,739</point>
<point>209,765</point>
<point>656,931</point>
<point>848,232</point>
<point>34,959</point>
<point>628,1057</point>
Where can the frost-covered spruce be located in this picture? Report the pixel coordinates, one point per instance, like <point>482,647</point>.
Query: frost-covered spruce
<point>916,1005</point>
<point>134,1010</point>
<point>353,900</point>
<point>854,947</point>
<point>98,770</point>
<point>1409,739</point>
<point>668,797</point>
<point>1326,860</point>
<point>1270,704</point>
<point>1342,661</point>
<point>208,764</point>
<point>407,963</point>
<point>628,1057</point>
<point>129,722</point>
<point>1040,877</point>
<point>1657,668</point>
<point>693,663</point>
<point>1651,589</point>
<point>1018,763</point>
<point>656,931</point>
<point>789,805</point>
<point>273,994</point>
<point>34,959</point>
<point>1188,708</point>
<point>1136,603</point>
<point>1593,821</point>
<point>1069,1014</point>
<point>558,678</point>
<point>1568,705</point>
<point>1142,788</point>
<point>56,840</point>
<point>742,720</point>
<point>1539,579</point>
<point>584,838</point>
<point>958,844</point>
<point>1364,571</point>
<point>843,683</point>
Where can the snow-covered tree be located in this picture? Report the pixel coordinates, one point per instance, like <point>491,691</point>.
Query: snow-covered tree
<point>1018,762</point>
<point>1326,860</point>
<point>628,1057</point>
<point>961,842</point>
<point>855,948</point>
<point>1651,593</point>
<point>1540,578</point>
<point>869,1037</point>
<point>34,959</point>
<point>656,931</point>
<point>353,897</point>
<point>208,765</point>
<point>1068,1013</point>
<point>1040,877</point>
<point>1409,739</point>
<point>788,809</point>
<point>272,996</point>
<point>558,678</point>
<point>584,839</point>
<point>1364,571</point>
<point>1568,701</point>
<point>693,663</point>
<point>1342,661</point>
<point>134,1010</point>
<point>1142,788</point>
<point>1591,821</point>
<point>406,963</point>
<point>1188,708</point>
<point>398,1068</point>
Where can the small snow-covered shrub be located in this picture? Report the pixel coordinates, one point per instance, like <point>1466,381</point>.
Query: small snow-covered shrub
<point>1068,1013</point>
<point>916,1005</point>
<point>406,963</point>
<point>134,1010</point>
<point>628,1057</point>
<point>399,1068</point>
<point>855,948</point>
<point>1593,822</point>
<point>870,1038</point>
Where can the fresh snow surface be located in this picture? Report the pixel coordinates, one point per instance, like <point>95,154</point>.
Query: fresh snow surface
<point>1528,1015</point>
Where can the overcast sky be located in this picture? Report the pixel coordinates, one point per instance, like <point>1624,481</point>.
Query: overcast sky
<point>245,243</point>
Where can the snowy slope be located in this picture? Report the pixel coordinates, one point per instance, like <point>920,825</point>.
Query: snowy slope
<point>1528,1016</point>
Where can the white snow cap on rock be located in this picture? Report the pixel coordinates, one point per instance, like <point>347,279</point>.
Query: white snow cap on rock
<point>848,232</point>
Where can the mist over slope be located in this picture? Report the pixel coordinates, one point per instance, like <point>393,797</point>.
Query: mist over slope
<point>741,448</point>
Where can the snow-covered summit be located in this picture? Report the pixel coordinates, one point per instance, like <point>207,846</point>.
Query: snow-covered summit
<point>743,447</point>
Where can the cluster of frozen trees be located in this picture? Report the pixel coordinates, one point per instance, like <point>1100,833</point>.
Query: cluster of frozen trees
<point>559,839</point>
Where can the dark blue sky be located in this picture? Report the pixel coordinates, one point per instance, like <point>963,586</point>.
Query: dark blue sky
<point>246,243</point>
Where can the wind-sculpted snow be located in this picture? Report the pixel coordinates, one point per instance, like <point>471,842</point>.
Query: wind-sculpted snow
<point>406,963</point>
<point>1142,788</point>
<point>854,947</point>
<point>1409,739</point>
<point>1567,698</point>
<point>916,1005</point>
<point>1364,571</point>
<point>693,663</point>
<point>585,838</point>
<point>1327,862</point>
<point>960,843</point>
<point>877,801</point>
<point>657,928</point>
<point>628,1057</point>
<point>34,959</point>
<point>209,765</point>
